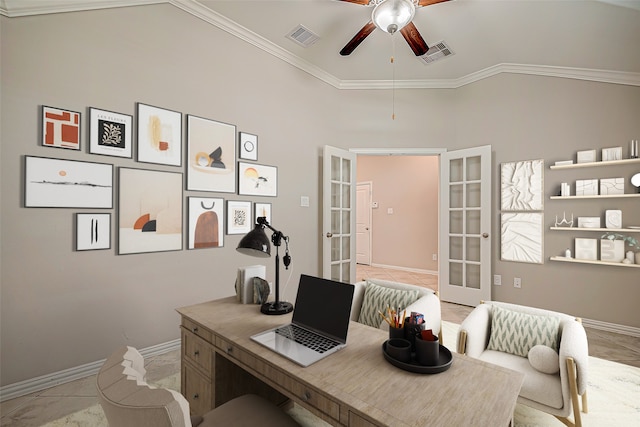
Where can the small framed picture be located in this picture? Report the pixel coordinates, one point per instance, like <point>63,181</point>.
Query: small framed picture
<point>257,180</point>
<point>248,146</point>
<point>93,231</point>
<point>110,133</point>
<point>587,156</point>
<point>60,128</point>
<point>206,222</point>
<point>609,154</point>
<point>159,135</point>
<point>262,210</point>
<point>238,217</point>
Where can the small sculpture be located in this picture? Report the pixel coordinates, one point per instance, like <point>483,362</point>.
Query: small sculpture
<point>564,222</point>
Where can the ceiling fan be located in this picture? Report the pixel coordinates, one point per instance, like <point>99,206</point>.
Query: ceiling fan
<point>391,16</point>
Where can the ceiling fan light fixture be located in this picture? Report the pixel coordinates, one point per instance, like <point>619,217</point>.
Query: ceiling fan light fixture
<point>392,15</point>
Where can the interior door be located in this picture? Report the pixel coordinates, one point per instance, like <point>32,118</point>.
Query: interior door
<point>363,223</point>
<point>338,214</point>
<point>465,226</point>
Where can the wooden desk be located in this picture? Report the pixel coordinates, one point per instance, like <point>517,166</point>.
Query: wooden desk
<point>354,387</point>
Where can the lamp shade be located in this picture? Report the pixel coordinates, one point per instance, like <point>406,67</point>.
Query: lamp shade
<point>393,15</point>
<point>255,243</point>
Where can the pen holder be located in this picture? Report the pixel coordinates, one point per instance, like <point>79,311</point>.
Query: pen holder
<point>427,352</point>
<point>399,349</point>
<point>396,332</point>
<point>410,332</point>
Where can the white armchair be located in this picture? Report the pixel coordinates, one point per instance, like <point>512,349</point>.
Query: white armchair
<point>426,302</point>
<point>553,379</point>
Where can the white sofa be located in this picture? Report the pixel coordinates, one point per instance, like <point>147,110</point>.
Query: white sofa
<point>427,303</point>
<point>555,393</point>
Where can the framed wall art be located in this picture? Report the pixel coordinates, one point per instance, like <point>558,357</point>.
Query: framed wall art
<point>211,155</point>
<point>262,209</point>
<point>57,183</point>
<point>93,231</point>
<point>521,185</point>
<point>521,237</point>
<point>238,217</point>
<point>257,180</point>
<point>206,222</point>
<point>159,135</point>
<point>150,211</point>
<point>60,128</point>
<point>613,153</point>
<point>248,146</point>
<point>110,133</point>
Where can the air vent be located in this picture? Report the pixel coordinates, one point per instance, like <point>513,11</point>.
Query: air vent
<point>436,52</point>
<point>303,36</point>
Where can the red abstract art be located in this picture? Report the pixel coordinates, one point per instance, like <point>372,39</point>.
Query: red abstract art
<point>61,128</point>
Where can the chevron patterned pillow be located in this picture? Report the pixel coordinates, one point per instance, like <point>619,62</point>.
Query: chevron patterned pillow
<point>516,332</point>
<point>378,298</point>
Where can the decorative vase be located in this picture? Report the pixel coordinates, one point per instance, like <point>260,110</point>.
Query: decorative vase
<point>637,257</point>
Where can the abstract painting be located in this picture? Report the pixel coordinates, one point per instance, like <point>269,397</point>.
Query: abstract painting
<point>262,209</point>
<point>521,237</point>
<point>206,222</point>
<point>211,155</point>
<point>57,183</point>
<point>110,133</point>
<point>611,186</point>
<point>60,128</point>
<point>238,217</point>
<point>257,180</point>
<point>159,135</point>
<point>248,146</point>
<point>93,231</point>
<point>521,185</point>
<point>150,211</point>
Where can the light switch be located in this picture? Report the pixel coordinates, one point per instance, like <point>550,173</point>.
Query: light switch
<point>304,201</point>
<point>390,211</point>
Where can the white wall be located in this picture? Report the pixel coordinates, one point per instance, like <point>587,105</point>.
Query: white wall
<point>60,308</point>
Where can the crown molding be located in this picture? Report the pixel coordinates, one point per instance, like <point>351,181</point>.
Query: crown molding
<point>15,8</point>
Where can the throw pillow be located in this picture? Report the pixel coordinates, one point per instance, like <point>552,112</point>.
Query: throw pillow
<point>515,332</point>
<point>544,359</point>
<point>378,298</point>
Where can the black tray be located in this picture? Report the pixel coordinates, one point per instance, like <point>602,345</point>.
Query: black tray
<point>444,360</point>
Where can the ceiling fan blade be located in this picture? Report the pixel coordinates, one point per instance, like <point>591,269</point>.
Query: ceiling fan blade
<point>362,2</point>
<point>357,39</point>
<point>424,2</point>
<point>415,40</point>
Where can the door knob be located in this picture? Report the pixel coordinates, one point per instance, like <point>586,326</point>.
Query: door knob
<point>485,235</point>
<point>329,234</point>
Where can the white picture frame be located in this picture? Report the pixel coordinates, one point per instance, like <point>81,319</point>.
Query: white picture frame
<point>159,135</point>
<point>93,231</point>
<point>248,146</point>
<point>110,133</point>
<point>522,185</point>
<point>521,237</point>
<point>611,154</point>
<point>239,219</point>
<point>586,156</point>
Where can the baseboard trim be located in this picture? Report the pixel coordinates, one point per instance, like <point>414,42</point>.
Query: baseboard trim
<point>43,382</point>
<point>412,270</point>
<point>611,327</point>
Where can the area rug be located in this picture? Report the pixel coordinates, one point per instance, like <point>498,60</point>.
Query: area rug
<point>613,398</point>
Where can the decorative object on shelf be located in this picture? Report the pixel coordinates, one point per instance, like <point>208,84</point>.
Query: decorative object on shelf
<point>586,248</point>
<point>60,128</point>
<point>257,180</point>
<point>110,133</point>
<point>521,185</point>
<point>609,186</point>
<point>150,211</point>
<point>567,253</point>
<point>564,222</point>
<point>564,162</point>
<point>159,135</point>
<point>586,156</point>
<point>611,250</point>
<point>630,257</point>
<point>211,155</point>
<point>613,218</point>
<point>609,154</point>
<point>57,183</point>
<point>631,241</point>
<point>93,231</point>
<point>635,181</point>
<point>565,189</point>
<point>588,222</point>
<point>238,217</point>
<point>255,243</point>
<point>633,149</point>
<point>521,237</point>
<point>587,187</point>
<point>248,146</point>
<point>206,223</point>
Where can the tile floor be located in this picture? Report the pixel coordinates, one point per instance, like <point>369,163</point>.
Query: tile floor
<point>51,407</point>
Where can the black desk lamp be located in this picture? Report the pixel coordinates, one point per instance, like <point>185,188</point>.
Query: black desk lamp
<point>256,243</point>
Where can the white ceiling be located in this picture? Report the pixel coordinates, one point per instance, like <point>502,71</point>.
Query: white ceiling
<point>593,40</point>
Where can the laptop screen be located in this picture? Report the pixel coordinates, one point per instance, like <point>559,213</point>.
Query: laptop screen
<point>324,306</point>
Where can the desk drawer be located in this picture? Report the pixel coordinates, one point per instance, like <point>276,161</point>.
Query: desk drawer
<point>197,330</point>
<point>197,351</point>
<point>197,390</point>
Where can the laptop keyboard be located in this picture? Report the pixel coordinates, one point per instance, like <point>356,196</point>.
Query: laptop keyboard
<point>308,339</point>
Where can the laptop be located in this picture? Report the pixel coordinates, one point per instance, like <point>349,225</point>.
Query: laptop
<point>319,325</point>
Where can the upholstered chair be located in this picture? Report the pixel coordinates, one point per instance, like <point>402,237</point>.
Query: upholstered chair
<point>128,401</point>
<point>549,348</point>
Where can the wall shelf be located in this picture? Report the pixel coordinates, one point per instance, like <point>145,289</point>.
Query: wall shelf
<point>586,261</point>
<point>605,196</point>
<point>613,230</point>
<point>596,164</point>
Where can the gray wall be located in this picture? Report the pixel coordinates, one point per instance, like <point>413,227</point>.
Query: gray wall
<point>61,309</point>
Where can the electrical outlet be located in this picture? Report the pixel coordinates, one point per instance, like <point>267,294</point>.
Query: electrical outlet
<point>434,257</point>
<point>517,282</point>
<point>497,280</point>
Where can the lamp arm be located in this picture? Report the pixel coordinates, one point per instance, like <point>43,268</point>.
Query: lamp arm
<point>276,239</point>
